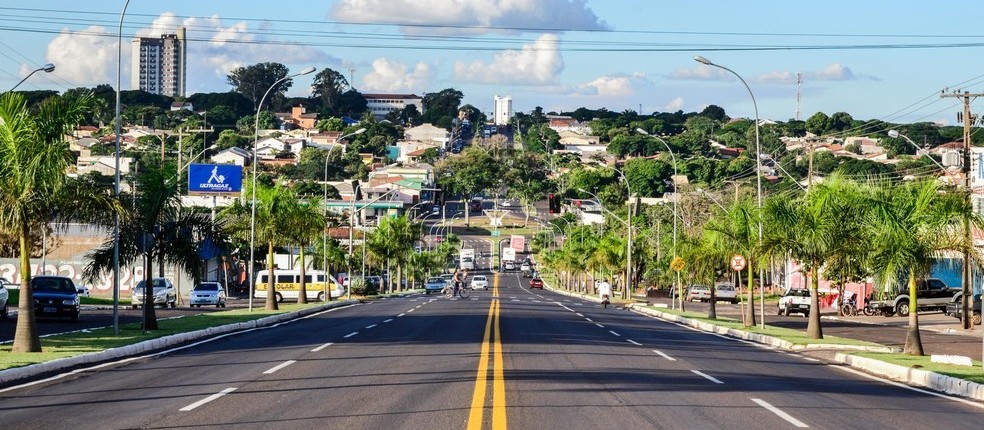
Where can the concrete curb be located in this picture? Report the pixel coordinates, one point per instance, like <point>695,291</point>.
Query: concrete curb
<point>917,377</point>
<point>18,373</point>
<point>895,372</point>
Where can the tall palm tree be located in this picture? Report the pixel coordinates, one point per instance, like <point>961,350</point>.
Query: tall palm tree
<point>34,158</point>
<point>912,225</point>
<point>160,230</point>
<point>330,253</point>
<point>273,205</point>
<point>405,234</point>
<point>704,262</point>
<point>305,223</point>
<point>813,229</point>
<point>736,232</point>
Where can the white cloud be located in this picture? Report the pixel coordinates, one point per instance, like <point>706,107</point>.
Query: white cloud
<point>832,72</point>
<point>86,57</point>
<point>674,105</point>
<point>537,63</point>
<point>610,86</point>
<point>698,73</point>
<point>472,16</point>
<point>214,50</point>
<point>393,76</point>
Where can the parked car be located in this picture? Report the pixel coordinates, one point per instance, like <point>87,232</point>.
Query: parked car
<point>435,284</point>
<point>931,294</point>
<point>509,265</point>
<point>207,293</point>
<point>55,296</point>
<point>536,283</point>
<point>795,300</point>
<point>4,296</point>
<point>479,282</point>
<point>700,293</point>
<point>725,292</point>
<point>163,292</point>
<point>955,309</point>
<point>82,290</point>
<point>675,291</point>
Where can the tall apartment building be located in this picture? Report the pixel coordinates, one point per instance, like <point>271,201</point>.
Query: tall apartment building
<point>160,64</point>
<point>502,110</point>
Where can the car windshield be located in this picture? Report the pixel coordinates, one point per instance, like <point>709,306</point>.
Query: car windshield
<point>207,287</point>
<point>798,292</point>
<point>435,280</point>
<point>157,283</point>
<point>698,288</point>
<point>479,278</point>
<point>725,288</point>
<point>53,285</point>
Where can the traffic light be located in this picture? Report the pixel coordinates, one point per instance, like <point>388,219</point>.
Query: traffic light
<point>553,203</point>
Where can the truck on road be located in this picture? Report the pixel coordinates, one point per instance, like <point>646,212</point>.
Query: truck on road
<point>466,259</point>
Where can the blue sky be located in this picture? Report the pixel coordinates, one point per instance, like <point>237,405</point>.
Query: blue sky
<point>872,59</point>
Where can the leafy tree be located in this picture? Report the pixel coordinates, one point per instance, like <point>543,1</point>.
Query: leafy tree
<point>526,176</point>
<point>648,177</point>
<point>818,124</point>
<point>237,102</point>
<point>441,108</point>
<point>253,81</point>
<point>352,104</point>
<point>34,158</point>
<point>329,85</point>
<point>159,229</point>
<point>330,124</point>
<point>304,224</point>
<point>468,174</point>
<point>229,138</point>
<point>841,121</point>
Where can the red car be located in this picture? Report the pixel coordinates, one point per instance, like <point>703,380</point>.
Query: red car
<point>536,283</point>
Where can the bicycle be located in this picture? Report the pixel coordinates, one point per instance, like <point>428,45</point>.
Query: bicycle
<point>450,290</point>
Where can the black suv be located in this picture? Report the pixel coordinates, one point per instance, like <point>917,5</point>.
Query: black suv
<point>55,296</point>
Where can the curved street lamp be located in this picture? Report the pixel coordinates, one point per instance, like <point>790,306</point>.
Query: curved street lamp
<point>116,188</point>
<point>48,68</point>
<point>628,227</point>
<point>758,170</point>
<point>252,216</point>
<point>894,134</point>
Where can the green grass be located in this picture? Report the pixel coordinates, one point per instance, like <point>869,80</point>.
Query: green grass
<point>78,343</point>
<point>794,336</point>
<point>14,300</point>
<point>973,374</point>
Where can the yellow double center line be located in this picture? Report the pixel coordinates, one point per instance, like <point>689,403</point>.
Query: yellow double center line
<point>481,379</point>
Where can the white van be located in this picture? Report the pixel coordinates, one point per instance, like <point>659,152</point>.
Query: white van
<point>288,283</point>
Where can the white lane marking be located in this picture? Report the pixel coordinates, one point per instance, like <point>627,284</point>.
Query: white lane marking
<point>279,366</point>
<point>371,326</point>
<point>616,334</point>
<point>589,319</point>
<point>351,334</point>
<point>578,314</point>
<point>599,325</point>
<point>780,413</point>
<point>400,315</point>
<point>709,377</point>
<point>388,320</point>
<point>207,399</point>
<point>807,358</point>
<point>663,354</point>
<point>411,310</point>
<point>633,342</point>
<point>322,347</point>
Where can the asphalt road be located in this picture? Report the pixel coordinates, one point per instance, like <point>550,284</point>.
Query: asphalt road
<point>504,358</point>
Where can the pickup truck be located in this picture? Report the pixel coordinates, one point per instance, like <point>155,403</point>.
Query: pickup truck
<point>795,300</point>
<point>931,294</point>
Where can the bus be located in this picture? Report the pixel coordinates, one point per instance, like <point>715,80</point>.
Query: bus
<point>288,283</point>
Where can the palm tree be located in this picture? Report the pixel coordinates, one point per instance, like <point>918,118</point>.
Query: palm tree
<point>273,205</point>
<point>405,233</point>
<point>736,232</point>
<point>159,230</point>
<point>305,223</point>
<point>704,262</point>
<point>912,225</point>
<point>34,159</point>
<point>812,229</point>
<point>330,253</point>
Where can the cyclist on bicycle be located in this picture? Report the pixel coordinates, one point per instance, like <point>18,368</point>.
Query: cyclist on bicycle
<point>458,278</point>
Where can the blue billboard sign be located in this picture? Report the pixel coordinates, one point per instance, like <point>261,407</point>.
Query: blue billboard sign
<point>215,179</point>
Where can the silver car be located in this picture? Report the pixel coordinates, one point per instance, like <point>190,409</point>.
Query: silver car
<point>208,293</point>
<point>164,293</point>
<point>434,284</point>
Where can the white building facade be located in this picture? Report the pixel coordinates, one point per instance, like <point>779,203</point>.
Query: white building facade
<point>382,104</point>
<point>502,110</point>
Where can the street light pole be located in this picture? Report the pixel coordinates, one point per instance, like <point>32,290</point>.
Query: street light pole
<point>48,68</point>
<point>676,197</point>
<point>252,216</point>
<point>758,177</point>
<point>628,226</point>
<point>116,187</point>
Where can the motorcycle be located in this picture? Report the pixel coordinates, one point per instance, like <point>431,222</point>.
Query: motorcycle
<point>604,300</point>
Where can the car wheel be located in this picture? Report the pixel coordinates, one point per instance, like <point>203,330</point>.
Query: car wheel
<point>976,318</point>
<point>174,304</point>
<point>321,296</point>
<point>133,306</point>
<point>902,309</point>
<point>279,297</point>
<point>788,312</point>
<point>223,305</point>
<point>779,311</point>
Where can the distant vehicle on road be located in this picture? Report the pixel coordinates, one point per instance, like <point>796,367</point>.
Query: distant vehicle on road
<point>479,282</point>
<point>725,292</point>
<point>795,300</point>
<point>55,296</point>
<point>536,283</point>
<point>931,294</point>
<point>287,285</point>
<point>698,293</point>
<point>207,293</point>
<point>509,265</point>
<point>435,284</point>
<point>163,294</point>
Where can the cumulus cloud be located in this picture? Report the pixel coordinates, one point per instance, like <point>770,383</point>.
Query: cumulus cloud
<point>472,16</point>
<point>674,105</point>
<point>536,63</point>
<point>609,86</point>
<point>832,72</point>
<point>86,57</point>
<point>394,76</point>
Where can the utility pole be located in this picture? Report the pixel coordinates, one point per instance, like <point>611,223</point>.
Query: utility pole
<point>968,120</point>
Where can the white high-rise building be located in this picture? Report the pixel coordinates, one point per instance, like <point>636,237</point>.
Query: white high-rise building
<point>159,64</point>
<point>502,110</point>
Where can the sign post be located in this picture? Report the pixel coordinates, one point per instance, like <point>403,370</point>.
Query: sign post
<point>738,264</point>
